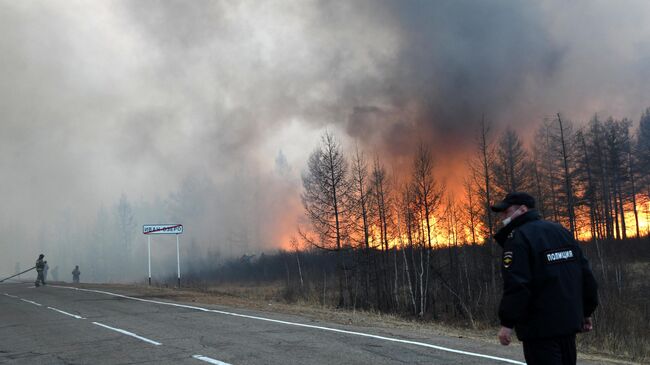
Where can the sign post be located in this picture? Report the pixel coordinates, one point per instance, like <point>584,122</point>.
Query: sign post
<point>178,262</point>
<point>149,256</point>
<point>176,229</point>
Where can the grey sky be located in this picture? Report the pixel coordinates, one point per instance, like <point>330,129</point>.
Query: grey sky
<point>100,99</point>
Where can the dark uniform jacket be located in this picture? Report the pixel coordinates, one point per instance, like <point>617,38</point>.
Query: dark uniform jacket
<point>40,265</point>
<point>548,286</point>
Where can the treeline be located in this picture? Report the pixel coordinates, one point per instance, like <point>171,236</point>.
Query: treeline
<point>387,233</point>
<point>594,179</point>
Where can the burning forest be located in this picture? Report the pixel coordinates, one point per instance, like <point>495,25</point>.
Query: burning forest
<point>592,178</point>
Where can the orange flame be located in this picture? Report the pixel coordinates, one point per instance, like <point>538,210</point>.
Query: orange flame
<point>442,236</point>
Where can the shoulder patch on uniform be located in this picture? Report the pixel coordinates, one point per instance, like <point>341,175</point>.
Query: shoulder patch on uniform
<point>507,259</point>
<point>559,255</point>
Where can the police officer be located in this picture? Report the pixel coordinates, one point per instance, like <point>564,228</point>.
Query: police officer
<point>40,266</point>
<point>549,291</point>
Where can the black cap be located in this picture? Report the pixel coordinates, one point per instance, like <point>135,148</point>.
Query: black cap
<point>41,256</point>
<point>515,198</point>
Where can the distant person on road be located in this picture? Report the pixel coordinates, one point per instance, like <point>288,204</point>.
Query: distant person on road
<point>55,273</point>
<point>549,291</point>
<point>75,274</point>
<point>45,270</point>
<point>40,266</point>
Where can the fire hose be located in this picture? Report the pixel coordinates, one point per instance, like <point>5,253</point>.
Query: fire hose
<point>32,268</point>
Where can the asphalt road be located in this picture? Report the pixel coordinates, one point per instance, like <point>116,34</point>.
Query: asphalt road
<point>65,325</point>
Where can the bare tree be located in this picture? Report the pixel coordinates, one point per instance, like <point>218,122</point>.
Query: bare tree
<point>382,203</point>
<point>325,198</point>
<point>125,221</point>
<point>540,187</point>
<point>512,170</point>
<point>405,211</point>
<point>632,173</point>
<point>600,167</point>
<point>606,176</point>
<point>360,192</point>
<point>473,208</point>
<point>568,185</point>
<point>586,186</point>
<point>554,170</point>
<point>546,171</point>
<point>617,138</point>
<point>428,194</point>
<point>360,216</point>
<point>642,153</point>
<point>642,148</point>
<point>381,192</point>
<point>295,245</point>
<point>483,175</point>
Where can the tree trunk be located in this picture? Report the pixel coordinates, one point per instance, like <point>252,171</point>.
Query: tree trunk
<point>567,179</point>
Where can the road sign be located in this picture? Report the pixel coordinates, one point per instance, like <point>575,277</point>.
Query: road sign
<point>162,229</point>
<point>176,229</point>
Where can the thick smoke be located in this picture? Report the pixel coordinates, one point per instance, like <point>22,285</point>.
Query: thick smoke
<point>204,112</point>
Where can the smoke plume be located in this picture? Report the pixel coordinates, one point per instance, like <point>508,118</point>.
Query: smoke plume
<point>204,112</point>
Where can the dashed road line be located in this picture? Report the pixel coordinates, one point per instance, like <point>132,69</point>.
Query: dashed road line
<point>330,329</point>
<point>124,332</point>
<point>209,360</point>
<point>128,334</point>
<point>66,313</point>
<point>29,301</point>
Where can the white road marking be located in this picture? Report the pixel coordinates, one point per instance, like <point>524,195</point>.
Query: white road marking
<point>209,360</point>
<point>390,339</point>
<point>29,301</point>
<point>66,313</point>
<point>128,334</point>
<point>11,296</point>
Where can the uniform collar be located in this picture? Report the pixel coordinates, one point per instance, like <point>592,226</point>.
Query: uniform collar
<point>502,235</point>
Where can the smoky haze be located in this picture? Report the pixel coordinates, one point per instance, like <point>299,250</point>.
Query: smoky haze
<point>204,112</point>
